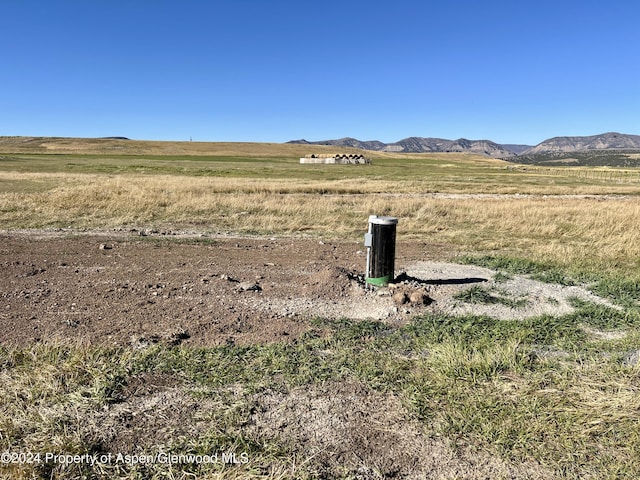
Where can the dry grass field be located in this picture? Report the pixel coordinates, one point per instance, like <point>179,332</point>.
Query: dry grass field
<point>560,214</point>
<point>435,396</point>
<point>563,228</point>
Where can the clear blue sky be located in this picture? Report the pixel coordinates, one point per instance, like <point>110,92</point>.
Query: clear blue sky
<point>514,71</point>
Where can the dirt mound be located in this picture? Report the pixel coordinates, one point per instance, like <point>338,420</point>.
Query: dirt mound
<point>331,282</point>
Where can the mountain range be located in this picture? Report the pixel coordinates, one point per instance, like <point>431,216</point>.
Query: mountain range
<point>604,141</point>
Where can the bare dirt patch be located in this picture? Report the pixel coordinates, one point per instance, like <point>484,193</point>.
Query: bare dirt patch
<point>340,429</point>
<point>154,410</point>
<point>122,289</point>
<point>356,432</point>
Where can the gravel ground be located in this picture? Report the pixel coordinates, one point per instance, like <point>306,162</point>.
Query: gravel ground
<point>125,288</point>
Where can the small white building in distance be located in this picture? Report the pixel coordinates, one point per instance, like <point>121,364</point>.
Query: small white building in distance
<point>340,158</point>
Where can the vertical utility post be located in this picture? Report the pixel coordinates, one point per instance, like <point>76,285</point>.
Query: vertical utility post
<point>380,241</point>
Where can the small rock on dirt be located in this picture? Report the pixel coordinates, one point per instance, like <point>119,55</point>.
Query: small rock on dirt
<point>249,287</point>
<point>404,294</point>
<point>400,297</point>
<point>419,297</point>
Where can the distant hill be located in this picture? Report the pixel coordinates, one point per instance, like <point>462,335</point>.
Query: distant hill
<point>615,149</point>
<point>604,141</point>
<point>422,145</point>
<point>591,158</point>
<point>114,146</point>
<point>516,148</point>
<point>607,149</point>
<point>612,148</point>
<point>346,142</point>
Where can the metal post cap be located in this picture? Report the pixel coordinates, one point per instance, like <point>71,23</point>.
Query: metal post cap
<point>383,220</point>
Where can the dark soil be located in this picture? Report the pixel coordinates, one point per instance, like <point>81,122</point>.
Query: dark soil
<point>124,289</point>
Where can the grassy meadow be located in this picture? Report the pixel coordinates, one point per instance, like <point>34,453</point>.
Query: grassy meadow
<point>559,393</point>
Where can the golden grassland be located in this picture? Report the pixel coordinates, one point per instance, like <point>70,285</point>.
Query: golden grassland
<point>468,202</point>
<point>566,229</point>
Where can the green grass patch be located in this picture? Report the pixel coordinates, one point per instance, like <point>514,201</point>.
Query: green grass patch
<point>478,294</point>
<point>624,290</point>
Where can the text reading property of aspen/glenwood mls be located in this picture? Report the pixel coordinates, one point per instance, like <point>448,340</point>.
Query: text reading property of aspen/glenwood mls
<point>232,458</point>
